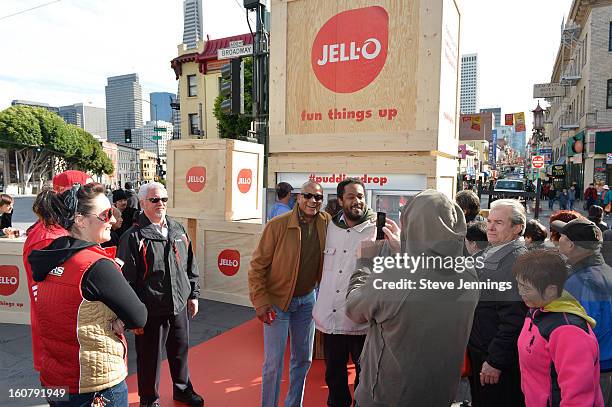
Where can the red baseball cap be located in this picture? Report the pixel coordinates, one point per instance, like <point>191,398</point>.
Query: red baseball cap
<point>65,180</point>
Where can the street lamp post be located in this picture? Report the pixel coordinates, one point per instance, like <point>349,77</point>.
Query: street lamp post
<point>158,167</point>
<point>538,137</point>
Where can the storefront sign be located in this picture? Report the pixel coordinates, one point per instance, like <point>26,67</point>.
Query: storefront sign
<point>608,158</point>
<point>391,182</point>
<point>228,262</point>
<point>9,280</point>
<point>548,90</point>
<point>350,49</point>
<point>196,178</point>
<point>558,171</point>
<point>547,153</point>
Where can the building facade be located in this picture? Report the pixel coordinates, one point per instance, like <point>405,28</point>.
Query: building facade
<point>91,119</point>
<point>112,152</point>
<point>192,22</point>
<point>469,84</point>
<point>128,164</point>
<point>35,104</point>
<point>198,72</point>
<point>496,114</point>
<point>123,106</point>
<point>148,165</point>
<point>580,123</point>
<point>145,137</point>
<point>160,108</point>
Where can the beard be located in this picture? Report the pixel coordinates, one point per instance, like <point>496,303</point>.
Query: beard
<point>353,215</point>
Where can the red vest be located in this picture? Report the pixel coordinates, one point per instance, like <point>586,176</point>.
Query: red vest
<point>59,303</point>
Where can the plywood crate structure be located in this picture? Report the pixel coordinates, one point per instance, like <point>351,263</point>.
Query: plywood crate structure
<point>365,86</point>
<point>215,189</point>
<point>14,296</point>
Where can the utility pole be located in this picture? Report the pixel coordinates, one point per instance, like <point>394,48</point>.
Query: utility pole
<point>261,53</point>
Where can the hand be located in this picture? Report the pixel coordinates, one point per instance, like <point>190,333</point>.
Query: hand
<point>263,313</point>
<point>192,307</point>
<point>117,326</point>
<point>138,331</point>
<point>489,375</point>
<point>392,233</point>
<point>7,231</point>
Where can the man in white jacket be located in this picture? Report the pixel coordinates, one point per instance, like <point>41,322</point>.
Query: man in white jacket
<point>354,224</point>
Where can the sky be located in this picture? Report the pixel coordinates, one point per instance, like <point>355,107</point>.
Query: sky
<point>63,52</point>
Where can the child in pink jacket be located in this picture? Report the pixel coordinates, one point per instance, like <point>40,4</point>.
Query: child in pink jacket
<point>558,351</point>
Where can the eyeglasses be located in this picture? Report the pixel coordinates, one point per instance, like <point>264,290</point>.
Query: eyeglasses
<point>104,216</point>
<point>308,195</point>
<point>156,200</point>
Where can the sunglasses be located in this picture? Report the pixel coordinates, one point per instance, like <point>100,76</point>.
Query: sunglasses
<point>104,216</point>
<point>156,200</point>
<point>308,195</point>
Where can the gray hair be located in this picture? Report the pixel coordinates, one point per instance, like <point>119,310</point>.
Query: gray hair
<point>144,189</point>
<point>518,216</point>
<point>309,183</point>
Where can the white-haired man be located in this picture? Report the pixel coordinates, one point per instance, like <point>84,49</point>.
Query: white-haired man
<point>499,316</point>
<point>161,267</point>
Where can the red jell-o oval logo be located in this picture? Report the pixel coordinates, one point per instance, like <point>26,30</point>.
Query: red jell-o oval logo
<point>229,262</point>
<point>245,179</point>
<point>196,178</point>
<point>9,279</point>
<point>350,50</point>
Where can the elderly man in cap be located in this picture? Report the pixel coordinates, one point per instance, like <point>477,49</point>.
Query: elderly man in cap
<point>40,236</point>
<point>590,283</point>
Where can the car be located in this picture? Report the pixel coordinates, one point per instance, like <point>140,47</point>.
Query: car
<point>509,186</point>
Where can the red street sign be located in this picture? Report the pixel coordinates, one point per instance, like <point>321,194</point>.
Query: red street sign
<point>537,161</point>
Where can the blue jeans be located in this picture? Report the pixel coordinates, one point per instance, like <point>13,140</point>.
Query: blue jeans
<point>116,396</point>
<point>298,321</point>
<point>551,203</point>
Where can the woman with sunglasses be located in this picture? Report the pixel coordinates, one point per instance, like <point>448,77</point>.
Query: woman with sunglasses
<point>83,301</point>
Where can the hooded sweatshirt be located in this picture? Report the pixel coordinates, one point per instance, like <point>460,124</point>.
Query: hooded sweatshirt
<point>417,337</point>
<point>559,356</point>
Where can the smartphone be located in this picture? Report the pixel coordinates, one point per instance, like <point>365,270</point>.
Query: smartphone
<point>381,218</point>
<point>271,316</point>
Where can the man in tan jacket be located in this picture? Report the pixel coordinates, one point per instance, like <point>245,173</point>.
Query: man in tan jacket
<point>285,268</point>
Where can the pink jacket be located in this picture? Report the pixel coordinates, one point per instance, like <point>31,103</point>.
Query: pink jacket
<point>559,359</point>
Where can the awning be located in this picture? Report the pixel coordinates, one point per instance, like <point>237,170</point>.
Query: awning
<point>560,160</point>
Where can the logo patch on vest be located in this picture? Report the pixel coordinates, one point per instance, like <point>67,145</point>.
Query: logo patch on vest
<point>58,271</point>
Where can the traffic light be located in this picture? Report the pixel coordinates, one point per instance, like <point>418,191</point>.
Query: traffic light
<point>128,135</point>
<point>231,87</point>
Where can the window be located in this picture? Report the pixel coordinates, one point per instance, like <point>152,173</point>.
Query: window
<point>192,86</point>
<point>609,103</point>
<point>194,127</point>
<point>610,38</point>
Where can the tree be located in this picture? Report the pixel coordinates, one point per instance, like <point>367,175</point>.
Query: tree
<point>236,126</point>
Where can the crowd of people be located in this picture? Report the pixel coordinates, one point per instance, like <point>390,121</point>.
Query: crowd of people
<point>97,269</point>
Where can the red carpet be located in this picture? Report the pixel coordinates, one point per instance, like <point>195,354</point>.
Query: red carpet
<point>226,371</point>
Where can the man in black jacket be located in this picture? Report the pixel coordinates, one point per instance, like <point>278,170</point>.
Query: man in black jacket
<point>161,267</point>
<point>132,198</point>
<point>495,380</point>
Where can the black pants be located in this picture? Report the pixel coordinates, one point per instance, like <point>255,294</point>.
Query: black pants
<point>506,393</point>
<point>171,332</point>
<point>337,349</point>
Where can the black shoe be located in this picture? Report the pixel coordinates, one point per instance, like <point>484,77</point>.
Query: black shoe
<point>189,397</point>
<point>154,404</point>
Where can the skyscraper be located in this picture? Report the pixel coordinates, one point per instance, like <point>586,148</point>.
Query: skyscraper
<point>123,106</point>
<point>469,84</point>
<point>160,105</point>
<point>91,119</point>
<point>192,23</point>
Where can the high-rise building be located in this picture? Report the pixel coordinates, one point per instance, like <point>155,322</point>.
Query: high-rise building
<point>160,105</point>
<point>192,23</point>
<point>91,119</point>
<point>34,104</point>
<point>496,113</point>
<point>469,84</point>
<point>145,137</point>
<point>123,106</point>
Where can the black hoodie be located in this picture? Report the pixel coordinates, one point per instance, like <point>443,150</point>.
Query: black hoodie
<point>101,282</point>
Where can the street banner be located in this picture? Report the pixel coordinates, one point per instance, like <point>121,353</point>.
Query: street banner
<point>466,118</point>
<point>462,151</point>
<point>493,150</point>
<point>547,154</point>
<point>509,119</point>
<point>519,119</point>
<point>476,120</point>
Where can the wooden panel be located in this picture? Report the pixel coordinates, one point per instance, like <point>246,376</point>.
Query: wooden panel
<point>14,307</point>
<point>394,87</point>
<point>278,61</point>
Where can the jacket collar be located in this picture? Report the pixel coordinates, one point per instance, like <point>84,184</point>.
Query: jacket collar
<point>294,221</point>
<point>596,259</point>
<point>506,249</point>
<point>151,231</point>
